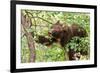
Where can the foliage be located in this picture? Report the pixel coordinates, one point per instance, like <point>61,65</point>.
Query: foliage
<point>42,22</point>
<point>53,53</point>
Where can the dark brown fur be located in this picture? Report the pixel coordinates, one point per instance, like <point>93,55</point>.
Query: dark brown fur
<point>44,40</point>
<point>63,33</point>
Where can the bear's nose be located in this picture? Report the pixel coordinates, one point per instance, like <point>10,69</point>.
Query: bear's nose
<point>49,33</point>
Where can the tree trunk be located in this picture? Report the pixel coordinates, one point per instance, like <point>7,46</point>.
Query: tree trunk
<point>25,23</point>
<point>66,56</point>
<point>31,46</point>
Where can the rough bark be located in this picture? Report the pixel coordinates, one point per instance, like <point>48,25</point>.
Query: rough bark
<point>31,46</point>
<point>25,23</point>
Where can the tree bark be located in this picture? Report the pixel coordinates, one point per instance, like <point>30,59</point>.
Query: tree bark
<point>66,56</point>
<point>31,46</point>
<point>29,37</point>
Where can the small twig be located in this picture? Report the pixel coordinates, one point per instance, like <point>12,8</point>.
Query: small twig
<point>38,17</point>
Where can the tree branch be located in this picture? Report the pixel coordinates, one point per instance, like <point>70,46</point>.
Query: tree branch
<point>38,17</point>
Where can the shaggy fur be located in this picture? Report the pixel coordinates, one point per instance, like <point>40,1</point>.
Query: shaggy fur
<point>63,33</point>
